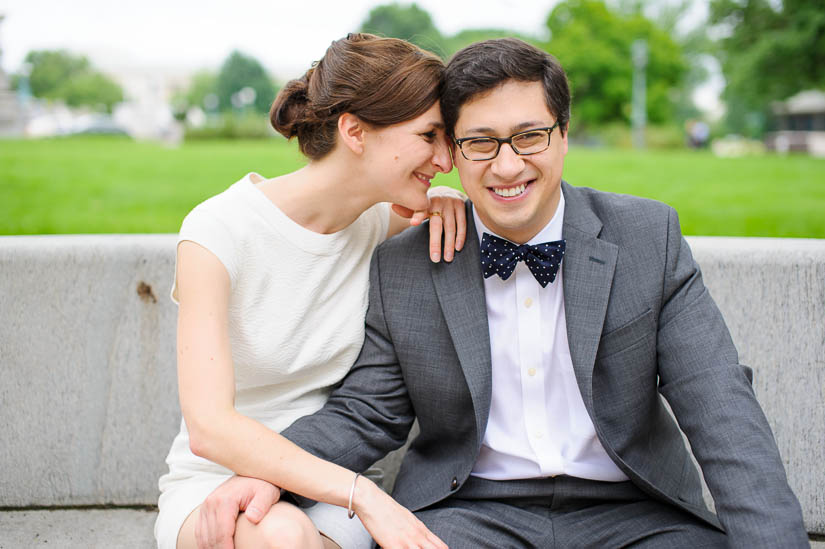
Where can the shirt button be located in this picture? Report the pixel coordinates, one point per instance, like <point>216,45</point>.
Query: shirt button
<point>454,484</point>
<point>528,302</point>
<point>531,372</point>
<point>539,434</point>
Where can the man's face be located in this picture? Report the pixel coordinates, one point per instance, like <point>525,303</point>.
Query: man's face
<point>515,196</point>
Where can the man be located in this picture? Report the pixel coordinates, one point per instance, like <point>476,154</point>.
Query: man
<point>538,389</point>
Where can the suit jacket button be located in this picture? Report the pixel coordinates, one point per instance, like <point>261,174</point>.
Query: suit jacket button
<point>454,484</point>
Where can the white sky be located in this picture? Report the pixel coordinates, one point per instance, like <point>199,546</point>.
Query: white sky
<point>181,36</point>
<point>286,36</point>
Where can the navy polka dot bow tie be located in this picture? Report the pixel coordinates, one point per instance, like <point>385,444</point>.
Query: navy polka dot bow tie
<point>499,256</point>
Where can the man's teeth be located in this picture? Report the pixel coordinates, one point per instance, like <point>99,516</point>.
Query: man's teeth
<point>510,191</point>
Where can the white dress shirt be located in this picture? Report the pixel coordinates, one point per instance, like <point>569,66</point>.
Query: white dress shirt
<point>538,425</point>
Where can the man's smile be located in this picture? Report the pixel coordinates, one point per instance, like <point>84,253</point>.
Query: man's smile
<point>511,192</point>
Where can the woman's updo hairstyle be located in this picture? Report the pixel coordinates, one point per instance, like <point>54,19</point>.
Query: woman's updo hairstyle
<point>382,81</point>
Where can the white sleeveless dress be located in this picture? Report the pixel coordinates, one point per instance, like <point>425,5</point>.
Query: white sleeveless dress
<point>296,325</point>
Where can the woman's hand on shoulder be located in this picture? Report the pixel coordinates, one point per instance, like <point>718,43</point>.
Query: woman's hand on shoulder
<point>447,217</point>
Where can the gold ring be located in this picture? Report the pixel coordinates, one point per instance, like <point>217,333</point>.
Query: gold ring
<point>433,214</point>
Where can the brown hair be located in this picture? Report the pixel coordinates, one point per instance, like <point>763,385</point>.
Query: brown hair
<point>382,81</point>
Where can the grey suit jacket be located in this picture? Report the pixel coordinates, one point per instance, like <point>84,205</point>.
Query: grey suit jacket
<point>641,326</point>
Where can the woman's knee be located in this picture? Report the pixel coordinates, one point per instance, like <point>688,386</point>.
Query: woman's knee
<point>285,526</point>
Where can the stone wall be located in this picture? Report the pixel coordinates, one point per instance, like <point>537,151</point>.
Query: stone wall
<point>88,392</point>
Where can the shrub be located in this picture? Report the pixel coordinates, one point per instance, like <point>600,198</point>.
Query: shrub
<point>232,126</point>
<point>620,136</point>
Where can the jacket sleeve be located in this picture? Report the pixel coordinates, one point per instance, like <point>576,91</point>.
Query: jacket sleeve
<point>369,414</point>
<point>714,403</point>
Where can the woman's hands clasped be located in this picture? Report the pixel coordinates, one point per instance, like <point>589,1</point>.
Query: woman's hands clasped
<point>390,524</point>
<point>447,217</point>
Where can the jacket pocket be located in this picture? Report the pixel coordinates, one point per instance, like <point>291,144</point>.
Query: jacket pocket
<point>627,335</point>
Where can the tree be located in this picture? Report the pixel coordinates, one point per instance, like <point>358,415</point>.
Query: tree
<point>692,38</point>
<point>767,55</point>
<point>203,85</point>
<point>238,74</point>
<point>409,23</point>
<point>466,37</point>
<point>593,44</point>
<point>49,70</point>
<point>201,93</point>
<point>92,89</point>
<point>60,75</point>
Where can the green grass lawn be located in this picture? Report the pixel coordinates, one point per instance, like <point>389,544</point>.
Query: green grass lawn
<point>113,185</point>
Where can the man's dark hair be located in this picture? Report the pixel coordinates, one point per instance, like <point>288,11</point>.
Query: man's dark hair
<point>483,66</point>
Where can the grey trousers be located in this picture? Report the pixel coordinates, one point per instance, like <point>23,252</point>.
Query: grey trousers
<point>564,512</point>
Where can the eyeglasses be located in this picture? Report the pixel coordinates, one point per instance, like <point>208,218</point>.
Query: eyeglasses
<point>523,143</point>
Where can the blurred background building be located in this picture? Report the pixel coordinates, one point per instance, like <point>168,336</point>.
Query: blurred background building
<point>11,110</point>
<point>799,124</point>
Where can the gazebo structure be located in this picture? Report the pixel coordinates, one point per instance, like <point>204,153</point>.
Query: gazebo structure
<point>799,124</point>
<point>11,119</point>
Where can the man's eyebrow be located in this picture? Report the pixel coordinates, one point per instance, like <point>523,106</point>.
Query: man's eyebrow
<point>530,124</point>
<point>481,129</point>
<point>515,129</point>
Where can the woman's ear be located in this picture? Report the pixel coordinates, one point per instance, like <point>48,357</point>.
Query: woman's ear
<point>351,130</point>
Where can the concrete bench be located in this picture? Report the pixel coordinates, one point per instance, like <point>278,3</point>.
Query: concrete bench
<point>88,392</point>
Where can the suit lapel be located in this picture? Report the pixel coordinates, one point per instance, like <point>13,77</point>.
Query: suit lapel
<point>460,290</point>
<point>588,267</point>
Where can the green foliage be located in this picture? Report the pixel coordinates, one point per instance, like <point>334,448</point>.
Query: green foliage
<point>230,125</point>
<point>240,71</point>
<point>99,185</point>
<point>768,55</point>
<point>203,85</point>
<point>466,37</point>
<point>414,24</point>
<point>696,46</point>
<point>593,44</point>
<point>60,75</point>
<point>92,89</point>
<point>408,22</point>
<point>618,135</point>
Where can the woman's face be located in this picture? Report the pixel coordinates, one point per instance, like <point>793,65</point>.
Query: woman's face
<point>404,157</point>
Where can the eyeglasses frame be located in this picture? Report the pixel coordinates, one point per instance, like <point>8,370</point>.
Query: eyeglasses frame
<point>508,140</point>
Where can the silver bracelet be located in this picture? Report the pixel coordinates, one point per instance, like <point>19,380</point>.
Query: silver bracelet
<point>350,512</point>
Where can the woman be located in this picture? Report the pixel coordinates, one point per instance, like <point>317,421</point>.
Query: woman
<point>271,280</point>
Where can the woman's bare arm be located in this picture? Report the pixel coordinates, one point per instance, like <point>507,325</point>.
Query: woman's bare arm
<point>219,433</point>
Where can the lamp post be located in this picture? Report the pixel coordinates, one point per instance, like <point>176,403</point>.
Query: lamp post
<point>639,101</point>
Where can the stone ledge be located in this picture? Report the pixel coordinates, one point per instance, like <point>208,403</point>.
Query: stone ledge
<point>78,529</point>
<point>89,387</point>
<point>91,529</point>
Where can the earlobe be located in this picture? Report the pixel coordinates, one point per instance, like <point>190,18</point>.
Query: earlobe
<point>351,132</point>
